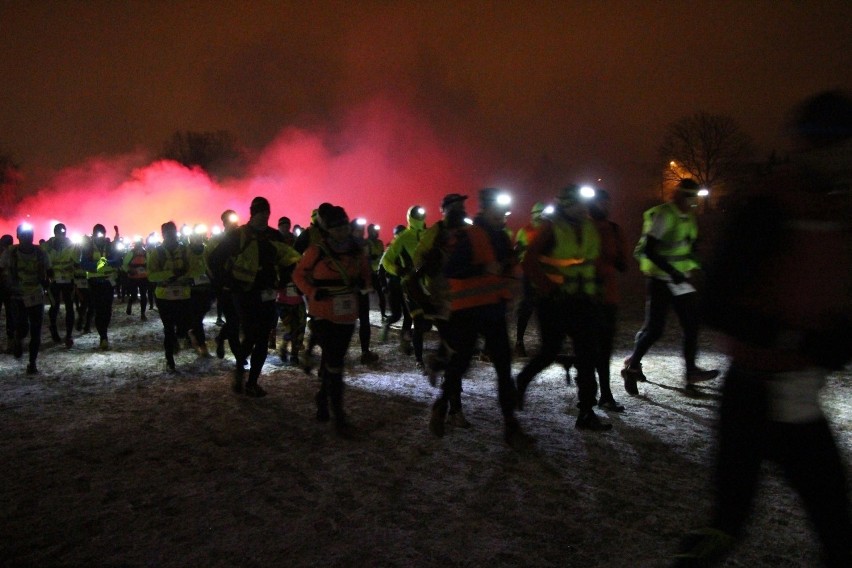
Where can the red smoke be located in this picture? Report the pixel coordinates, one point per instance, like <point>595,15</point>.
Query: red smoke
<point>376,165</point>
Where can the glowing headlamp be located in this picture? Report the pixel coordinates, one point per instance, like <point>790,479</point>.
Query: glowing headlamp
<point>360,221</point>
<point>201,229</point>
<point>703,192</point>
<point>503,200</point>
<point>548,210</point>
<point>587,192</point>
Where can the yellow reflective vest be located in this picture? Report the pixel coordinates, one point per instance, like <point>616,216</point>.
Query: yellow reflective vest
<point>571,262</point>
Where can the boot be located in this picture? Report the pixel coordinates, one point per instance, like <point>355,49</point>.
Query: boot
<point>437,421</point>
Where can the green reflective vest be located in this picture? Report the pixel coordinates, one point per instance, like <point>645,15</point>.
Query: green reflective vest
<point>571,261</point>
<point>676,244</point>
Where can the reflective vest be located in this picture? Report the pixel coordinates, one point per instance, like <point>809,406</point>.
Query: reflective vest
<point>247,264</point>
<point>63,261</point>
<point>571,262</point>
<point>471,246</point>
<point>162,265</point>
<point>27,273</point>
<point>103,270</point>
<point>136,264</point>
<point>676,244</point>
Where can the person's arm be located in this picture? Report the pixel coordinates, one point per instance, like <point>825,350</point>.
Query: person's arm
<point>538,246</point>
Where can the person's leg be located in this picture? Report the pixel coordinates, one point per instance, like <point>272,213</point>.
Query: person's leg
<point>552,322</point>
<point>656,307</point>
<point>809,456</point>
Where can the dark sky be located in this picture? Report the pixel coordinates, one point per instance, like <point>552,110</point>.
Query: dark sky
<point>580,88</point>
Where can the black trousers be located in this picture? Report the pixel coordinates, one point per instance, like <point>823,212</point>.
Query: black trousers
<point>101,294</point>
<point>62,293</point>
<point>137,287</point>
<point>257,319</point>
<point>397,305</point>
<point>28,321</point>
<point>364,322</point>
<point>201,301</point>
<point>806,452</point>
<point>231,330</point>
<point>174,314</point>
<point>657,302</point>
<point>333,339</point>
<point>578,317</point>
<point>606,338</point>
<point>460,335</point>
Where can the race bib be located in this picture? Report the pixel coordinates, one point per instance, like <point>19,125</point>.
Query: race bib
<point>291,291</point>
<point>201,280</point>
<point>33,299</point>
<point>344,305</point>
<point>268,295</point>
<point>175,292</point>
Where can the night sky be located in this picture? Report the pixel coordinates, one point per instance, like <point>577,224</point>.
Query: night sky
<point>377,105</point>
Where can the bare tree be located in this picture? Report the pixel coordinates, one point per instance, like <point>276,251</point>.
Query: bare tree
<point>217,153</point>
<point>709,148</point>
<point>10,181</point>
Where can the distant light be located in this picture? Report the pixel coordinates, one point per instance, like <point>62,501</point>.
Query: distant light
<point>137,238</point>
<point>377,227</point>
<point>186,230</point>
<point>297,231</point>
<point>26,227</point>
<point>548,210</point>
<point>587,192</point>
<point>504,200</point>
<point>77,239</point>
<point>216,230</point>
<point>154,238</point>
<point>703,192</point>
<point>233,218</point>
<point>201,229</point>
<point>360,221</point>
<point>52,224</point>
<point>119,246</point>
<point>468,220</point>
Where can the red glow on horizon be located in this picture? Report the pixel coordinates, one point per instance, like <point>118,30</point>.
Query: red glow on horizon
<point>383,161</point>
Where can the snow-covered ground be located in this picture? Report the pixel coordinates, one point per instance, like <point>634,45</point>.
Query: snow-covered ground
<point>108,459</point>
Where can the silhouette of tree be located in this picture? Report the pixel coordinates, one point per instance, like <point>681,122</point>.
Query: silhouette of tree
<point>10,182</point>
<point>217,153</point>
<point>709,148</point>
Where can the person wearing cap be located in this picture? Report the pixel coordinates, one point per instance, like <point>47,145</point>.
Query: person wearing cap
<point>375,249</point>
<point>63,263</point>
<point>429,258</point>
<point>25,267</point>
<point>168,269</point>
<point>561,262</point>
<point>290,304</point>
<point>778,288</point>
<point>135,265</point>
<point>5,297</point>
<point>201,292</point>
<point>398,261</point>
<point>332,273</point>
<point>526,305</point>
<point>479,269</point>
<point>667,259</point>
<point>367,357</point>
<point>613,261</point>
<point>248,261</point>
<point>101,261</point>
<point>226,313</point>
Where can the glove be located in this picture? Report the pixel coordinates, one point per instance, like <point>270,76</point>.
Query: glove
<point>678,277</point>
<point>321,294</point>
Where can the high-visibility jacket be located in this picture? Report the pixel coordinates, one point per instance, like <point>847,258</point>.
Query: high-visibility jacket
<point>523,238</point>
<point>26,273</point>
<point>98,259</point>
<point>568,262</point>
<point>375,250</point>
<point>63,259</point>
<point>398,259</point>
<point>676,242</point>
<point>473,271</point>
<point>136,264</point>
<point>250,259</point>
<point>164,265</point>
<point>341,275</point>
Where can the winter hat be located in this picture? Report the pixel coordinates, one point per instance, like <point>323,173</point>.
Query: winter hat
<point>259,205</point>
